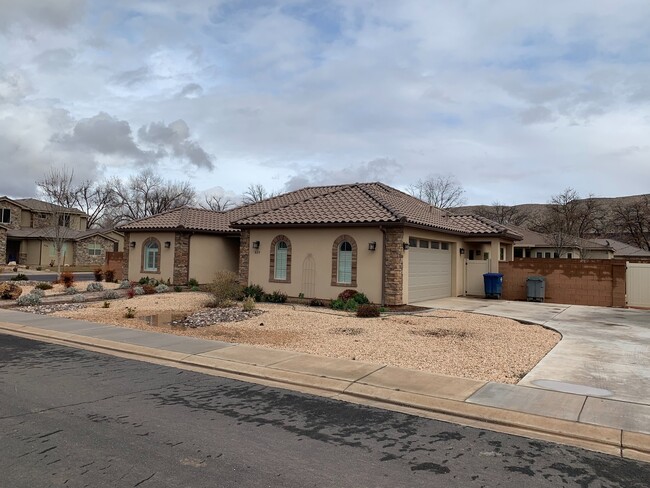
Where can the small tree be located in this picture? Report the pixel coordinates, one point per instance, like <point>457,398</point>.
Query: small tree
<point>502,214</point>
<point>256,193</point>
<point>441,191</point>
<point>217,203</point>
<point>632,220</point>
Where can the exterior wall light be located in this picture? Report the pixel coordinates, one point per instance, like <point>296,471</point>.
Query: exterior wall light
<point>372,246</point>
<point>256,244</point>
<point>405,246</point>
<point>168,244</point>
<point>132,244</point>
<point>462,250</point>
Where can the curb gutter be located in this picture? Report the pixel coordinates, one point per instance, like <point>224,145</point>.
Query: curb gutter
<point>608,440</point>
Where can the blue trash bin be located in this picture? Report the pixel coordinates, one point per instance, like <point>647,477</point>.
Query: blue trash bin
<point>493,284</point>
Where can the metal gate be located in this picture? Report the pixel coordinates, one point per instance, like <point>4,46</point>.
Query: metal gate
<point>474,270</point>
<point>637,285</point>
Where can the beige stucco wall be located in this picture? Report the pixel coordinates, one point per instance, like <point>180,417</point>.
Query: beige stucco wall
<point>212,253</point>
<point>318,243</point>
<point>166,256</point>
<point>25,218</point>
<point>33,253</point>
<point>46,250</point>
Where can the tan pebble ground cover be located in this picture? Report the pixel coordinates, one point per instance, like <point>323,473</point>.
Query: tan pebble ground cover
<point>440,341</point>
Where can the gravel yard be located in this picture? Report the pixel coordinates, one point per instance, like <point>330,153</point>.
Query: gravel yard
<point>440,341</point>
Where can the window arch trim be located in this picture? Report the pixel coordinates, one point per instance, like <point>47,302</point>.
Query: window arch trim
<point>150,241</point>
<point>272,259</point>
<point>335,261</point>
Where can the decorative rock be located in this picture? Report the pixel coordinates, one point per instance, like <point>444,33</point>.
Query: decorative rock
<point>212,316</point>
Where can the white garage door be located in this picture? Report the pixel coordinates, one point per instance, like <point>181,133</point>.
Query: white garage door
<point>429,270</point>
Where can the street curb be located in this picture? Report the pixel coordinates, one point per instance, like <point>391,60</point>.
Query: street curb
<point>608,440</point>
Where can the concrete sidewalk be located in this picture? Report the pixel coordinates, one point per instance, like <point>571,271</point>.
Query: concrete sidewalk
<point>602,424</point>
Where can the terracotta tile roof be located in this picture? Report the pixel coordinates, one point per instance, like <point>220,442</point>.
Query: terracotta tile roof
<point>358,203</point>
<point>183,218</point>
<point>367,203</point>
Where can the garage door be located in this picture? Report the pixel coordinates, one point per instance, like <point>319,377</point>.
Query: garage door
<point>429,270</point>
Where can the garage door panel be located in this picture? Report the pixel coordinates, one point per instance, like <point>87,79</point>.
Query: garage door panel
<point>429,274</point>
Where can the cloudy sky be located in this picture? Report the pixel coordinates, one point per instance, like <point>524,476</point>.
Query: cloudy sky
<point>517,99</point>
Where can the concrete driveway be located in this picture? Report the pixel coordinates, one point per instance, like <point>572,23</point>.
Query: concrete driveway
<point>604,352</point>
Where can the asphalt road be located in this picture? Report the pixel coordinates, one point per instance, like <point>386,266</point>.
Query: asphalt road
<point>75,418</point>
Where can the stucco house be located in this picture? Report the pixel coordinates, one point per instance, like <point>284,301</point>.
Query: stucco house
<point>29,227</point>
<point>537,245</point>
<point>623,250</point>
<point>319,241</point>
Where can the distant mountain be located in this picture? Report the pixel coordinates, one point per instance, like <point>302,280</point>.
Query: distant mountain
<point>610,224</point>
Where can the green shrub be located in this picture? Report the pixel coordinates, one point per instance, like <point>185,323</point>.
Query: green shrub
<point>195,288</point>
<point>78,298</point>
<point>177,289</point>
<point>162,288</point>
<point>124,284</point>
<point>367,310</point>
<point>351,305</point>
<point>99,274</point>
<point>130,313</point>
<point>361,299</point>
<point>337,304</point>
<point>20,277</point>
<point>95,287</point>
<point>192,282</point>
<point>106,305</point>
<point>248,304</point>
<point>345,295</point>
<point>254,291</point>
<point>71,291</point>
<point>44,286</point>
<point>276,297</point>
<point>315,302</point>
<point>29,299</point>
<point>138,290</point>
<point>38,292</point>
<point>144,280</point>
<point>110,295</point>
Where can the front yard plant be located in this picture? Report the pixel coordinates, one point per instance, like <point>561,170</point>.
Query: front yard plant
<point>95,286</point>
<point>224,289</point>
<point>20,277</point>
<point>29,299</point>
<point>254,291</point>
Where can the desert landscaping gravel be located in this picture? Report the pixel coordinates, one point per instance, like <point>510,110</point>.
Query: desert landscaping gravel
<point>438,341</point>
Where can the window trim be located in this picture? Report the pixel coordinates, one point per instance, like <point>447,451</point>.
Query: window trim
<point>2,215</point>
<point>335,261</point>
<point>272,252</point>
<point>94,249</point>
<point>143,263</point>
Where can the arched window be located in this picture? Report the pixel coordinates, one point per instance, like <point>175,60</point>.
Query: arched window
<point>280,260</point>
<point>344,262</point>
<point>151,255</point>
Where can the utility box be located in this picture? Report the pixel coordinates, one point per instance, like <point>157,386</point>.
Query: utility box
<point>493,283</point>
<point>536,288</point>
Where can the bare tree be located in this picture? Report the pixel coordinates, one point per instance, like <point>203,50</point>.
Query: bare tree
<point>441,191</point>
<point>146,194</point>
<point>256,193</point>
<point>502,214</point>
<point>93,198</point>
<point>632,220</point>
<point>217,203</point>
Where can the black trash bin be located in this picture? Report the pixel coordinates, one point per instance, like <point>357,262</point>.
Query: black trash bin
<point>493,283</point>
<point>536,288</point>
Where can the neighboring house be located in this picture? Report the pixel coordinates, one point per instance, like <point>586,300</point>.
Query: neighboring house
<point>319,241</point>
<point>536,245</point>
<point>29,227</point>
<point>625,251</point>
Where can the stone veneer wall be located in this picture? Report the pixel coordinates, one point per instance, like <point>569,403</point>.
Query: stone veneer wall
<point>244,256</point>
<point>81,255</point>
<point>15,218</point>
<point>394,266</point>
<point>3,246</point>
<point>125,256</point>
<point>181,258</point>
